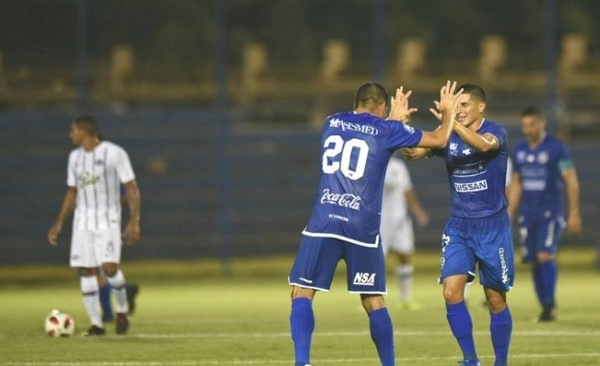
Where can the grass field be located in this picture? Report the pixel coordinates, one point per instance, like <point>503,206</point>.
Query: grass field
<point>188,314</point>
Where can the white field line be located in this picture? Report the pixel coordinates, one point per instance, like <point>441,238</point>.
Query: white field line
<point>362,334</point>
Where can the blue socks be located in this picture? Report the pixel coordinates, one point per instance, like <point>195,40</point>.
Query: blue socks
<point>382,334</point>
<point>501,330</point>
<point>105,302</point>
<point>548,273</point>
<point>461,325</point>
<point>302,324</point>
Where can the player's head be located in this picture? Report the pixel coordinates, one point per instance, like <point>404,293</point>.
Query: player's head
<point>83,127</point>
<point>533,123</point>
<point>470,104</point>
<point>371,98</point>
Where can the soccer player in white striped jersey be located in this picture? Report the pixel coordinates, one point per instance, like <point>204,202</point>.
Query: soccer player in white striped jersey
<point>95,172</point>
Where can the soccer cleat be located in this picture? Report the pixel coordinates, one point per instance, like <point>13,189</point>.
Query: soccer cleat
<point>132,292</point>
<point>122,323</point>
<point>94,330</point>
<point>548,314</point>
<point>469,363</point>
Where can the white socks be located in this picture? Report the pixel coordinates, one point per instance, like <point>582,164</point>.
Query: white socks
<point>117,282</point>
<point>404,273</point>
<point>91,298</point>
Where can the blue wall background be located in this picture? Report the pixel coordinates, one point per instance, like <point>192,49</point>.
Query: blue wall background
<point>210,187</point>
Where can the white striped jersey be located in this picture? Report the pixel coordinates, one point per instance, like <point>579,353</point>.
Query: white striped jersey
<point>98,175</point>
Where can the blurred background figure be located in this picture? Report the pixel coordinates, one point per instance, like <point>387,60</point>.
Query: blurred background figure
<point>95,169</point>
<point>400,200</point>
<point>543,171</point>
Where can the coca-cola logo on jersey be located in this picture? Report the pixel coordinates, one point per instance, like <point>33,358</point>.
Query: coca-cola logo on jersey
<point>341,199</point>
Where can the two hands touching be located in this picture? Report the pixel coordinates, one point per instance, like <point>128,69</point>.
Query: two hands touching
<point>400,111</point>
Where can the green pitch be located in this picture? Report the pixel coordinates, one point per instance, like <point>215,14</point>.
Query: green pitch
<point>189,314</point>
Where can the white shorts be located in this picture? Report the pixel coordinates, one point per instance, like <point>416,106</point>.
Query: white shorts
<point>90,249</point>
<point>398,237</point>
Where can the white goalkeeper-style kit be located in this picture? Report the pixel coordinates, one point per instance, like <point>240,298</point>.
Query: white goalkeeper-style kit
<point>98,176</point>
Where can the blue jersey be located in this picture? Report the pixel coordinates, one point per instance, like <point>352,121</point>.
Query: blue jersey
<point>477,179</point>
<point>541,169</point>
<point>355,150</point>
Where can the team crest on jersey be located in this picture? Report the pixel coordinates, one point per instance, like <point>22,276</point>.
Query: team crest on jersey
<point>364,279</point>
<point>543,157</point>
<point>453,148</point>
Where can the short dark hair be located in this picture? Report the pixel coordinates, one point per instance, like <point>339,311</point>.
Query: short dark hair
<point>370,95</point>
<point>531,111</point>
<point>474,90</point>
<point>87,123</point>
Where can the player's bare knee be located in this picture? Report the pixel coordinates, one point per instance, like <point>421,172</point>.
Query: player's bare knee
<point>372,302</point>
<point>544,257</point>
<point>298,291</point>
<point>110,269</point>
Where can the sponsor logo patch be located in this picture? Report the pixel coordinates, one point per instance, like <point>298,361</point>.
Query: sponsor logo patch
<point>364,279</point>
<point>480,185</point>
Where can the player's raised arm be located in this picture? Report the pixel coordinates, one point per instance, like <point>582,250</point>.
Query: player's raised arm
<point>484,143</point>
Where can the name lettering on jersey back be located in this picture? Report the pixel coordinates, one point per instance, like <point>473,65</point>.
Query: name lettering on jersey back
<point>341,199</point>
<point>86,179</point>
<point>364,279</point>
<point>480,185</point>
<point>349,126</point>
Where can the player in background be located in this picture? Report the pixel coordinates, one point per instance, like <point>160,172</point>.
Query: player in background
<point>95,171</point>
<point>400,200</point>
<point>543,169</point>
<point>478,231</point>
<point>345,220</point>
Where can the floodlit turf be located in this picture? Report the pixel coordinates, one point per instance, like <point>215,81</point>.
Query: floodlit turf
<point>188,314</point>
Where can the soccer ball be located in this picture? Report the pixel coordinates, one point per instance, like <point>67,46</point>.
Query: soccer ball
<point>59,324</point>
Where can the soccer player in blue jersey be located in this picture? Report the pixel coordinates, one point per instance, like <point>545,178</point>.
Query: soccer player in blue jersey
<point>478,231</point>
<point>543,168</point>
<point>355,149</point>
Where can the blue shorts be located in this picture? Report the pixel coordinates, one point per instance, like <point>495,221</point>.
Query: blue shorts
<point>317,260</point>
<point>483,242</point>
<point>540,234</point>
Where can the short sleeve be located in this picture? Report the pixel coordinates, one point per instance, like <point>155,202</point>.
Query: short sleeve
<point>71,174</point>
<point>565,162</point>
<point>123,166</point>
